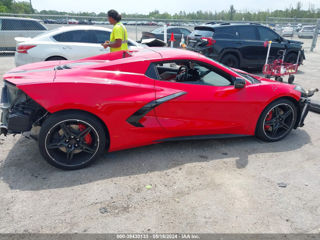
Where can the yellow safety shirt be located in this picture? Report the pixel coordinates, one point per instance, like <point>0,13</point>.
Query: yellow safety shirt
<point>119,32</point>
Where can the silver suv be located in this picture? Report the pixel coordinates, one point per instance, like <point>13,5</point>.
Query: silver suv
<point>11,27</point>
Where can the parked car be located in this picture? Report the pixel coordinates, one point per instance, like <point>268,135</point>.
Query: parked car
<point>50,21</point>
<point>241,45</point>
<point>86,22</point>
<point>123,100</point>
<point>158,34</point>
<point>73,21</point>
<point>11,27</point>
<point>287,32</point>
<point>306,32</point>
<point>65,43</point>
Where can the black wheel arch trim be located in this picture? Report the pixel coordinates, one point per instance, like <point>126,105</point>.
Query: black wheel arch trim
<point>138,115</point>
<point>235,52</point>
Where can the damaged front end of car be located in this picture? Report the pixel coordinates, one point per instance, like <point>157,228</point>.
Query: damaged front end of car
<point>306,104</point>
<point>20,113</point>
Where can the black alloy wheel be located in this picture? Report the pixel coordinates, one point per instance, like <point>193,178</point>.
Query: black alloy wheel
<point>277,120</point>
<point>71,141</point>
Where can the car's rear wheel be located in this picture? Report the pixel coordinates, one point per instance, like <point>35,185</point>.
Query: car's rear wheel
<point>72,140</point>
<point>55,58</point>
<point>291,58</point>
<point>277,120</point>
<point>230,60</point>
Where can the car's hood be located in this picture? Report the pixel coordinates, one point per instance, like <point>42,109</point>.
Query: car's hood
<point>294,42</point>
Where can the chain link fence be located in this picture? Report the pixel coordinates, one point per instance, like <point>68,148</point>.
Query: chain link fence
<point>305,30</point>
<point>16,25</point>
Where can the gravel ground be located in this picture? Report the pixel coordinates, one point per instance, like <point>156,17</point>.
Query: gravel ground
<point>226,186</point>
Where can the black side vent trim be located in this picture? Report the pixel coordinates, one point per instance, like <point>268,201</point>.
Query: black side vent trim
<point>136,117</point>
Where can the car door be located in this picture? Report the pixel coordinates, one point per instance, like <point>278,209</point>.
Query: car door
<point>248,44</point>
<point>79,44</point>
<point>177,36</point>
<point>266,34</point>
<point>210,105</point>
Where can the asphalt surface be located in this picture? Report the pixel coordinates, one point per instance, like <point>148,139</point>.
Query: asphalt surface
<point>225,186</point>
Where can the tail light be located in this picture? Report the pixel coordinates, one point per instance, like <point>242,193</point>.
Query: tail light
<point>210,41</point>
<point>24,48</point>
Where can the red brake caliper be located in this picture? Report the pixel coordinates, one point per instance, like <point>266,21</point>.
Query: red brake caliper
<point>269,117</point>
<point>87,138</point>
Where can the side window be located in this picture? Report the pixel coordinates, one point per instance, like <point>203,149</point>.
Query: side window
<point>176,31</point>
<point>32,25</point>
<point>12,25</point>
<point>189,72</point>
<point>76,36</point>
<point>64,37</point>
<point>226,33</point>
<point>247,33</point>
<point>267,34</point>
<point>0,24</point>
<point>212,76</point>
<point>173,30</point>
<point>185,32</point>
<point>102,36</point>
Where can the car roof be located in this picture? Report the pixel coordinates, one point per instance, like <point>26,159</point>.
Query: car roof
<point>70,28</point>
<point>20,18</point>
<point>82,27</point>
<point>227,24</point>
<point>164,54</point>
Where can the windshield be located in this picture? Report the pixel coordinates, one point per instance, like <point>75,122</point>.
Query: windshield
<point>308,29</point>
<point>201,33</point>
<point>249,77</point>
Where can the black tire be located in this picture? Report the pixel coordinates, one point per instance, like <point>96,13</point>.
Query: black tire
<point>55,58</point>
<point>72,140</point>
<point>276,121</point>
<point>291,58</point>
<point>230,60</point>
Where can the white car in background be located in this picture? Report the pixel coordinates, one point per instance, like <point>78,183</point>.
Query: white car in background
<point>307,32</point>
<point>287,32</point>
<point>65,43</point>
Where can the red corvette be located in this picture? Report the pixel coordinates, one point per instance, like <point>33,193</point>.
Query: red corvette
<point>129,99</point>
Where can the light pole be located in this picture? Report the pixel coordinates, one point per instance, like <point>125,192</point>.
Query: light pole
<point>31,7</point>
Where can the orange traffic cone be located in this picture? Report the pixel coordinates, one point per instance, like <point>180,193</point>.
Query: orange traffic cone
<point>172,40</point>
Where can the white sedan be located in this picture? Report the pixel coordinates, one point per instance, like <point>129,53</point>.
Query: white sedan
<point>64,43</point>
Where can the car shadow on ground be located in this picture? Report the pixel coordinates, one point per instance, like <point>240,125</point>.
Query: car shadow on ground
<point>24,168</point>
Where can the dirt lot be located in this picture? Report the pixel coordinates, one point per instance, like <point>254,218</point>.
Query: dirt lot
<point>225,186</point>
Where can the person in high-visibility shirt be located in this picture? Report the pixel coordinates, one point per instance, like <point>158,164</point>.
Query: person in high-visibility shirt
<point>119,36</point>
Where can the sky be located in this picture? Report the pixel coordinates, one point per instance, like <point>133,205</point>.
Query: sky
<point>170,6</point>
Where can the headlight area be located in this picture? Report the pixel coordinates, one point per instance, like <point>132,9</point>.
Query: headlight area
<point>19,111</point>
<point>301,90</point>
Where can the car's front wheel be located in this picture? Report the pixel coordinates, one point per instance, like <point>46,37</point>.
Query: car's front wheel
<point>277,120</point>
<point>72,140</point>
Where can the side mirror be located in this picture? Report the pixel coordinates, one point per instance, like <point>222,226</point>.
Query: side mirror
<point>239,83</point>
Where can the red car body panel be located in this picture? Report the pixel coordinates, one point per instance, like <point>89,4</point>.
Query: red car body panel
<point>114,86</point>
